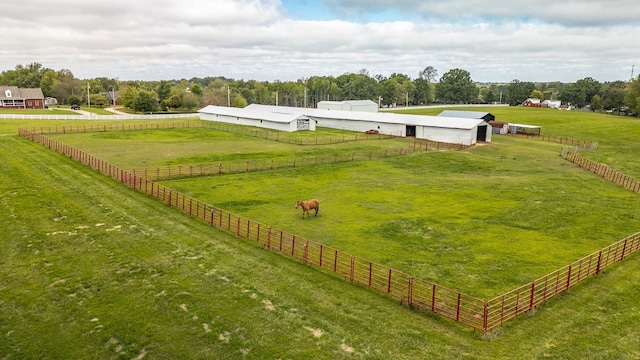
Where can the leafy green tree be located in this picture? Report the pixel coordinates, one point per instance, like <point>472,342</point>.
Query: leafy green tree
<point>573,95</point>
<point>356,87</point>
<point>196,89</point>
<point>519,91</point>
<point>537,94</point>
<point>239,101</point>
<point>146,101</point>
<point>456,86</point>
<point>175,101</point>
<point>429,73</point>
<point>425,91</point>
<point>613,95</point>
<point>163,90</point>
<point>590,87</point>
<point>98,100</point>
<point>487,95</point>
<point>632,96</point>
<point>74,100</point>
<point>190,101</point>
<point>28,76</point>
<point>66,85</point>
<point>46,83</point>
<point>128,96</point>
<point>596,103</point>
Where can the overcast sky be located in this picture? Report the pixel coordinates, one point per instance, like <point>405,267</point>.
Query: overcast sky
<point>495,40</point>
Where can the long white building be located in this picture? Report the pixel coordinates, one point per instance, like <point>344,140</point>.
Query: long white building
<point>266,119</point>
<point>442,129</point>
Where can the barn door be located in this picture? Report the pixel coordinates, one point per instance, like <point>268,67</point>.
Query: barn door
<point>411,131</point>
<point>482,133</point>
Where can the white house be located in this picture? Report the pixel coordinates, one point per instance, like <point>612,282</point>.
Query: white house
<point>263,119</point>
<point>554,104</point>
<point>441,129</point>
<point>349,105</point>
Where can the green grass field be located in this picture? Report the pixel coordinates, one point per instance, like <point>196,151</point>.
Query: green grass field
<point>93,270</point>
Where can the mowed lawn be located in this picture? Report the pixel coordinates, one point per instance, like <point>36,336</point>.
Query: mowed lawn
<point>93,270</point>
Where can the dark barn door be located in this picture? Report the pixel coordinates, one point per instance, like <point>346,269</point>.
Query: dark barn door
<point>482,133</point>
<point>411,131</point>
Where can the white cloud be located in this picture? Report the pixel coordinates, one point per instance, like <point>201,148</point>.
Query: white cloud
<point>254,39</point>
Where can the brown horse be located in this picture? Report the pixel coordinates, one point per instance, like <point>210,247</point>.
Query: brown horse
<point>308,205</point>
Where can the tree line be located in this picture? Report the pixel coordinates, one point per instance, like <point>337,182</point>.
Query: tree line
<point>427,87</point>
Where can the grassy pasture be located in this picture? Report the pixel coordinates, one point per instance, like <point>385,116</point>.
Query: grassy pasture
<point>503,213</point>
<point>90,269</point>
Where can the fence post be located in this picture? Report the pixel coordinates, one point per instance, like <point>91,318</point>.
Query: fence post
<point>533,289</point>
<point>599,262</point>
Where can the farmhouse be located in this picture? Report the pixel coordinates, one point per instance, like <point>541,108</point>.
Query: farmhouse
<point>349,105</point>
<point>264,119</point>
<point>21,98</point>
<point>448,130</point>
<point>533,102</point>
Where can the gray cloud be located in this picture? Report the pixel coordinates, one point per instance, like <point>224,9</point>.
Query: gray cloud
<point>253,39</point>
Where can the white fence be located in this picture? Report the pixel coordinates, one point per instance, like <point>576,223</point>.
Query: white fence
<point>98,117</point>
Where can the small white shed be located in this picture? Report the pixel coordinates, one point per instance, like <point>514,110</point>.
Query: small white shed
<point>349,105</point>
<point>263,119</point>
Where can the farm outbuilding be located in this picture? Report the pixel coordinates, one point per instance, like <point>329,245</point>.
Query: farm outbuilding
<point>524,129</point>
<point>263,119</point>
<point>349,105</point>
<point>447,130</point>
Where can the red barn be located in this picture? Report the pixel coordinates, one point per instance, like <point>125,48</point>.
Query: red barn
<point>13,97</point>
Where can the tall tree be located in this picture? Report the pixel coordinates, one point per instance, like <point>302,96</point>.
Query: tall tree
<point>519,91</point>
<point>590,87</point>
<point>456,86</point>
<point>632,96</point>
<point>429,74</point>
<point>613,96</point>
<point>163,90</point>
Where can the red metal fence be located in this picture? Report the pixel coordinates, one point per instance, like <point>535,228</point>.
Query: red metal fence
<point>228,167</point>
<point>423,294</point>
<point>626,181</point>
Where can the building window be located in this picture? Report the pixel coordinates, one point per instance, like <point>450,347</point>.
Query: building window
<point>29,103</point>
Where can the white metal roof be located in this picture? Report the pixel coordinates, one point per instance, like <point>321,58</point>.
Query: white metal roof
<point>389,118</point>
<point>255,114</point>
<point>463,114</point>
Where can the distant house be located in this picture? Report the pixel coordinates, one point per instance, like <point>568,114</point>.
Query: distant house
<point>14,97</point>
<point>50,101</point>
<point>533,102</point>
<point>468,115</point>
<point>554,104</point>
<point>349,105</point>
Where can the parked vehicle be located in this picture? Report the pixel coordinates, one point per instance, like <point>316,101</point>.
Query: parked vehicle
<point>75,107</point>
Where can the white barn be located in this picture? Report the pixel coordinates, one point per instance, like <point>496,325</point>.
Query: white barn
<point>441,129</point>
<point>263,119</point>
<point>349,105</point>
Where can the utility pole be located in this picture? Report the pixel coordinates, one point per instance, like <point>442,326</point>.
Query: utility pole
<point>228,96</point>
<point>632,66</point>
<point>88,98</point>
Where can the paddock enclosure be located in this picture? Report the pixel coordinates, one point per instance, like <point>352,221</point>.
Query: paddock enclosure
<point>469,310</point>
